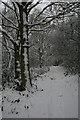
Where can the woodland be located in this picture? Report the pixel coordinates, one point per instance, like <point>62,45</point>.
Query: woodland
<point>36,36</point>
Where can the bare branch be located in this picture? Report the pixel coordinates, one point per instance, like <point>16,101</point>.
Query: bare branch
<point>15,10</point>
<point>45,21</point>
<point>8,19</point>
<point>38,29</point>
<point>44,10</point>
<point>9,26</point>
<point>50,18</point>
<point>31,45</point>
<point>42,22</point>
<point>7,35</point>
<point>69,6</point>
<point>19,4</point>
<point>49,26</point>
<point>7,5</point>
<point>59,15</point>
<point>6,45</point>
<point>28,46</point>
<point>33,6</point>
<point>26,5</point>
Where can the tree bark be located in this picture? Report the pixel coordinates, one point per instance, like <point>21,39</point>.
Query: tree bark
<point>22,70</point>
<point>79,45</point>
<point>27,48</point>
<point>40,51</point>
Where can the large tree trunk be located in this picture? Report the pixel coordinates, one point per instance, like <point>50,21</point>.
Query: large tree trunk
<point>17,62</point>
<point>17,68</point>
<point>78,64</point>
<point>22,70</point>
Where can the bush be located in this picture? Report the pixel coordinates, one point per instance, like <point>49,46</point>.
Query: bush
<point>71,64</point>
<point>57,62</point>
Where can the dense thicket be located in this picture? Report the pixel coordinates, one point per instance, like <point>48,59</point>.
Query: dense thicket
<point>61,45</point>
<point>67,44</point>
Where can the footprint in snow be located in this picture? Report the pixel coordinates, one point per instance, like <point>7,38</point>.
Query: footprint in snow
<point>19,93</point>
<point>66,74</point>
<point>15,101</point>
<point>23,94</point>
<point>27,95</point>
<point>16,112</point>
<point>26,107</point>
<point>18,100</point>
<point>42,90</point>
<point>4,96</point>
<point>53,78</point>
<point>2,108</point>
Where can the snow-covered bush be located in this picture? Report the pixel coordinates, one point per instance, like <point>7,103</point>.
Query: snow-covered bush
<point>36,72</point>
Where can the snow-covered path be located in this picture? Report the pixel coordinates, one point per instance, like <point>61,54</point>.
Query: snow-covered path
<point>59,98</point>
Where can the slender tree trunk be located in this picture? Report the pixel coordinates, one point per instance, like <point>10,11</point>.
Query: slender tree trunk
<point>78,65</point>
<point>79,45</point>
<point>27,48</point>
<point>40,57</point>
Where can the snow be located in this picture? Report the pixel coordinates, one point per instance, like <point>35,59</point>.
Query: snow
<point>17,42</point>
<point>56,97</point>
<point>18,69</point>
<point>0,105</point>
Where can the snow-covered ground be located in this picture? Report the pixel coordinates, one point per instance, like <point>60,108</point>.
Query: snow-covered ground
<point>0,77</point>
<point>57,97</point>
<point>0,105</point>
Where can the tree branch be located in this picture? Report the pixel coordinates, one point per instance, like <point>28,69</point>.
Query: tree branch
<point>42,22</point>
<point>7,35</point>
<point>26,5</point>
<point>7,5</point>
<point>15,10</point>
<point>49,26</point>
<point>60,3</point>
<point>48,19</point>
<point>6,46</point>
<point>8,19</point>
<point>9,26</point>
<point>33,6</point>
<point>59,15</point>
<point>44,9</point>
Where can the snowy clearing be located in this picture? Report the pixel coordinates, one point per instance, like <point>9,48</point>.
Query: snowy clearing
<point>57,97</point>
